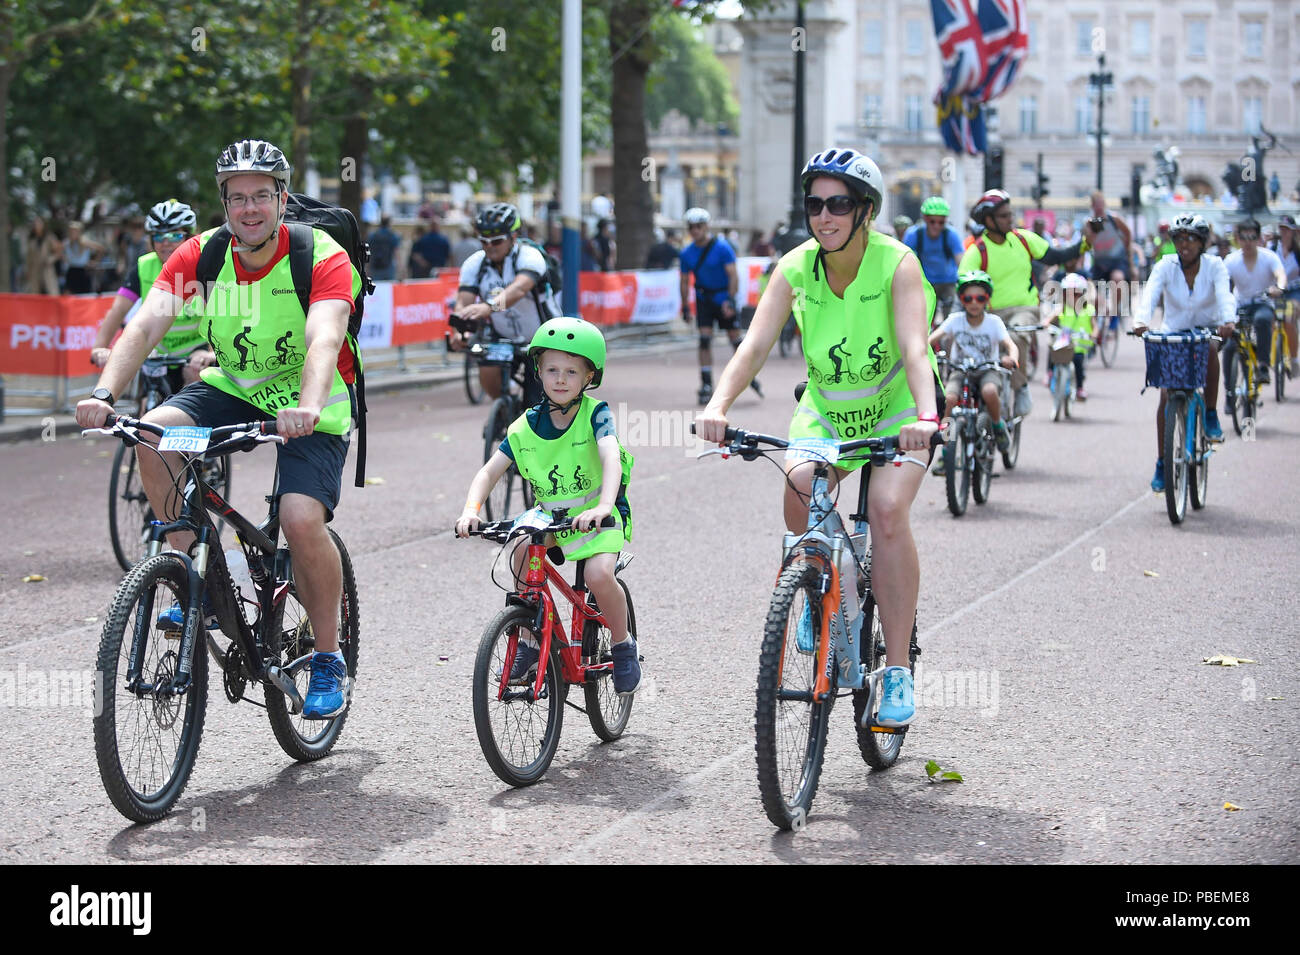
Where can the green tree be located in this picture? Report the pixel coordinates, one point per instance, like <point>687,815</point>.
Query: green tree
<point>687,76</point>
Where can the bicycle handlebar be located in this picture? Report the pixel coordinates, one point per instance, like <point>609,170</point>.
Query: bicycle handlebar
<point>230,437</point>
<point>501,531</point>
<point>745,443</point>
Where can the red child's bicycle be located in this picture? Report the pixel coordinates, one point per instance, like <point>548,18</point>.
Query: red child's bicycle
<point>518,725</point>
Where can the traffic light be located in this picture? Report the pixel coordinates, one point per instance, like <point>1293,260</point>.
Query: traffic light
<point>993,167</point>
<point>1039,190</point>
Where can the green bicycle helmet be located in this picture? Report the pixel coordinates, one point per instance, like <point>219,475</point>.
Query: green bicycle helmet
<point>975,277</point>
<point>574,336</point>
<point>935,206</point>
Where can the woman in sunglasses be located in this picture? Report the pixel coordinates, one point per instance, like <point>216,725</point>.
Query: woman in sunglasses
<point>168,224</point>
<point>853,290</point>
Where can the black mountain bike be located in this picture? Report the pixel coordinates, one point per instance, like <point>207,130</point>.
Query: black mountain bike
<point>154,680</point>
<point>129,514</point>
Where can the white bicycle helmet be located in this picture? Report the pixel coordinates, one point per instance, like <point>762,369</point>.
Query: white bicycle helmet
<point>696,216</point>
<point>168,215</point>
<point>252,155</point>
<point>859,172</point>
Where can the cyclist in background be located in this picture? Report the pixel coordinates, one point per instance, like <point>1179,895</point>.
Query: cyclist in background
<point>1287,248</point>
<point>168,224</point>
<point>1255,272</point>
<point>938,246</point>
<point>504,283</point>
<point>1077,315</point>
<point>1194,286</point>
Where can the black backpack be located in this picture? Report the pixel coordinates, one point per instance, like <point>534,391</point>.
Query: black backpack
<point>552,281</point>
<point>301,215</point>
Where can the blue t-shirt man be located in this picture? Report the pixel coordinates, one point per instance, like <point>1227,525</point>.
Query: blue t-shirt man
<point>434,249</point>
<point>711,282</point>
<point>939,255</point>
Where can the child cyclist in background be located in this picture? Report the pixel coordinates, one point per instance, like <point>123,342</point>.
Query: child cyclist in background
<point>1077,315</point>
<point>976,334</point>
<point>567,449</point>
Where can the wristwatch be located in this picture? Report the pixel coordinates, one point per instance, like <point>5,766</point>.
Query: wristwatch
<point>103,394</point>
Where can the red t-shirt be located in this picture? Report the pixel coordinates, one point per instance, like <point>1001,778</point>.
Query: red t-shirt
<point>331,278</point>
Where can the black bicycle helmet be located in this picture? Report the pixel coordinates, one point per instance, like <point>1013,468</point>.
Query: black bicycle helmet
<point>500,218</point>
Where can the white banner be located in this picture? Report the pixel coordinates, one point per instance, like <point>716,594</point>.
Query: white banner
<point>658,297</point>
<point>377,323</point>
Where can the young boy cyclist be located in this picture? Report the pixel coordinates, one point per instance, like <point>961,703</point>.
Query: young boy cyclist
<point>976,334</point>
<point>1077,315</point>
<point>566,447</point>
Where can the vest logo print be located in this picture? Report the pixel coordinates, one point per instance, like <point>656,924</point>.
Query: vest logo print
<point>870,298</point>
<point>283,291</point>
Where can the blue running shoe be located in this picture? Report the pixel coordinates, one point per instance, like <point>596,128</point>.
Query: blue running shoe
<point>325,693</point>
<point>522,670</point>
<point>1158,482</point>
<point>897,708</point>
<point>1212,429</point>
<point>172,619</point>
<point>804,640</point>
<point>627,670</point>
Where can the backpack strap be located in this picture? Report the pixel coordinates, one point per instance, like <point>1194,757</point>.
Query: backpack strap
<point>1024,242</point>
<point>211,259</point>
<point>984,254</point>
<point>302,247</point>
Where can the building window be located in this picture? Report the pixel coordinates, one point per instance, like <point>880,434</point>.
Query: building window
<point>1196,114</point>
<point>1252,113</point>
<point>1140,38</point>
<point>872,37</point>
<point>912,113</point>
<point>915,38</point>
<point>1029,114</point>
<point>1033,38</point>
<point>1254,40</point>
<point>1082,114</point>
<point>873,113</point>
<point>1083,37</point>
<point>1140,115</point>
<point>1083,166</point>
<point>1196,39</point>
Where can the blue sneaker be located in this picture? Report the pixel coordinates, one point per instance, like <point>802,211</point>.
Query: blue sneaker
<point>172,620</point>
<point>1212,429</point>
<point>627,670</point>
<point>522,670</point>
<point>1158,482</point>
<point>897,708</point>
<point>325,697</point>
<point>804,639</point>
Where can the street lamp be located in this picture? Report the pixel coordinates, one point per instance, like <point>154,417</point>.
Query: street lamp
<point>1100,81</point>
<point>793,233</point>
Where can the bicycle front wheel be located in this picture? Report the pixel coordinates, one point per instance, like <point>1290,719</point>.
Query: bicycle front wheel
<point>473,386</point>
<point>956,464</point>
<point>1012,454</point>
<point>147,734</point>
<point>1279,363</point>
<point>1235,391</point>
<point>289,635</point>
<point>1108,347</point>
<point>982,479</point>
<point>1199,482</point>
<point>790,726</point>
<point>1060,388</point>
<point>498,503</point>
<point>518,734</point>
<point>1176,464</point>
<point>607,711</point>
<point>129,513</point>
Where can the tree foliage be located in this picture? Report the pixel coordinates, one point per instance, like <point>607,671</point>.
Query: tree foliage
<point>687,76</point>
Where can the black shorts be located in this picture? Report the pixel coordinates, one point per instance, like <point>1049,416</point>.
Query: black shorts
<point>312,465</point>
<point>709,313</point>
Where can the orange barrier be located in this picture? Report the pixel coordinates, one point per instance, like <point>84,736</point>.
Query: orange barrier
<point>49,334</point>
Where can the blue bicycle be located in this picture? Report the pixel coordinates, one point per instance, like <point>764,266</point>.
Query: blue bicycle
<point>825,582</point>
<point>1177,362</point>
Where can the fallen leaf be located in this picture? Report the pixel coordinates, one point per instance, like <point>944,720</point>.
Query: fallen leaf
<point>374,480</point>
<point>1149,573</point>
<point>28,553</point>
<point>1225,660</point>
<point>1231,808</point>
<point>938,774</point>
<point>1275,699</point>
<point>89,619</point>
<point>33,578</point>
<point>424,566</point>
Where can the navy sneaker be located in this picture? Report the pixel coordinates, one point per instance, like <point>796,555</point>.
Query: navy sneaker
<point>172,620</point>
<point>1158,482</point>
<point>525,665</point>
<point>627,670</point>
<point>1212,429</point>
<point>326,698</point>
<point>897,706</point>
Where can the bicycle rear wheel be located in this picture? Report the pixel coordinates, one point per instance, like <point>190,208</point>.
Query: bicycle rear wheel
<point>880,750</point>
<point>607,711</point>
<point>499,501</point>
<point>1199,481</point>
<point>957,466</point>
<point>146,738</point>
<point>1060,390</point>
<point>1279,363</point>
<point>1108,347</point>
<point>129,513</point>
<point>982,479</point>
<point>1012,454</point>
<point>518,735</point>
<point>1176,464</point>
<point>790,726</point>
<point>1235,393</point>
<point>289,636</point>
<point>473,387</point>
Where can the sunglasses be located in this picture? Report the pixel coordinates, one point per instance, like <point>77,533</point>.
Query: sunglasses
<point>975,297</point>
<point>496,241</point>
<point>1248,236</point>
<point>170,236</point>
<point>837,205</point>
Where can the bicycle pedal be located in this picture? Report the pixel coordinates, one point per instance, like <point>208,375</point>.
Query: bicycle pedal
<point>891,730</point>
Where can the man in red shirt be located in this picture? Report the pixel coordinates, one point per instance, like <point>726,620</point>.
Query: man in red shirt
<point>308,394</point>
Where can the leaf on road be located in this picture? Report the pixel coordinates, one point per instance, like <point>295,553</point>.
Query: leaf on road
<point>1275,699</point>
<point>89,619</point>
<point>938,774</point>
<point>374,480</point>
<point>1231,808</point>
<point>33,578</point>
<point>29,553</point>
<point>1225,660</point>
<point>1149,573</point>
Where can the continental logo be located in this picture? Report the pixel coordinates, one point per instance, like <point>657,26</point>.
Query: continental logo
<point>283,291</point>
<point>870,298</point>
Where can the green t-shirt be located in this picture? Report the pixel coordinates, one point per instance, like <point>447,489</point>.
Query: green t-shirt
<point>1009,266</point>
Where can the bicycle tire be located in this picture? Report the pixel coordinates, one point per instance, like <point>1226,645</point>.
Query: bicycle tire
<point>786,340</point>
<point>1011,456</point>
<point>1032,370</point>
<point>880,750</point>
<point>1279,363</point>
<point>1235,396</point>
<point>518,737</point>
<point>1060,387</point>
<point>607,711</point>
<point>1199,479</point>
<point>1108,347</point>
<point>790,735</point>
<point>473,386</point>
<point>956,465</point>
<point>129,513</point>
<point>497,505</point>
<point>288,637</point>
<point>1176,457</point>
<point>982,479</point>
<point>146,784</point>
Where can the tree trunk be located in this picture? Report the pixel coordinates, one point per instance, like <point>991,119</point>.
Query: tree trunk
<point>352,155</point>
<point>630,44</point>
<point>6,78</point>
<point>300,75</point>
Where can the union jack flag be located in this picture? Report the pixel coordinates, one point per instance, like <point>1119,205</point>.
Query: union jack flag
<point>983,43</point>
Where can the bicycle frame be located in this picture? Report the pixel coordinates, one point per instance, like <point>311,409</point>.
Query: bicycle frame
<point>1195,409</point>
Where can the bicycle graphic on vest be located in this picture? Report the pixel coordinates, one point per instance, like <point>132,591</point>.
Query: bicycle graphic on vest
<point>285,354</point>
<point>838,356</point>
<point>581,482</point>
